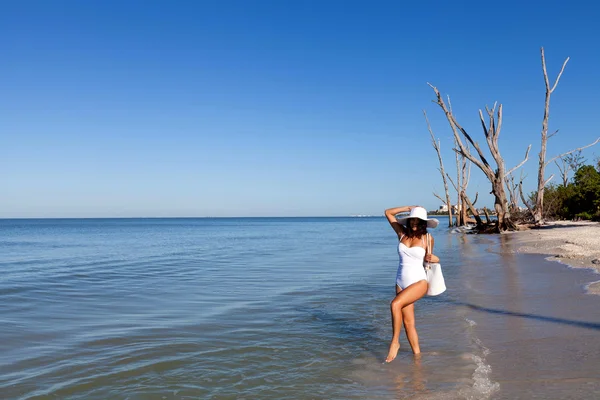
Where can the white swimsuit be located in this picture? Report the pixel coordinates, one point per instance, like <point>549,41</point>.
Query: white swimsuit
<point>411,268</point>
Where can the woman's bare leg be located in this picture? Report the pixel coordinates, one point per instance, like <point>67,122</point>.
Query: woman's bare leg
<point>408,318</point>
<point>396,329</point>
<point>406,297</point>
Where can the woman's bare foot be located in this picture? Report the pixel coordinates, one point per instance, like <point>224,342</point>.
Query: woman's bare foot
<point>394,347</point>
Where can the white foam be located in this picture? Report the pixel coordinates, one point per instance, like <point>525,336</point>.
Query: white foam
<point>483,387</point>
<point>558,260</point>
<point>587,287</point>
<point>569,266</point>
<point>463,229</point>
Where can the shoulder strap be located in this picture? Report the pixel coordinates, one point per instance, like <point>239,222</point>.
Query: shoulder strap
<point>401,236</point>
<point>428,249</point>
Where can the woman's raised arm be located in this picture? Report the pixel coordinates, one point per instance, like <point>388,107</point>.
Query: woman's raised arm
<point>390,214</point>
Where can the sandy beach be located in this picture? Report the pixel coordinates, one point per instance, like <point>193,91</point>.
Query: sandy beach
<point>573,243</point>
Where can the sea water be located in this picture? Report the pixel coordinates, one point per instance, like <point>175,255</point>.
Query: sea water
<point>251,308</point>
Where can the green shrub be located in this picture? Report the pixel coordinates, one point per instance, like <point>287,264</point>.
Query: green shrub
<point>584,215</point>
<point>579,199</point>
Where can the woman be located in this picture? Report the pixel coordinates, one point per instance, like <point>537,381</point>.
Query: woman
<point>411,280</point>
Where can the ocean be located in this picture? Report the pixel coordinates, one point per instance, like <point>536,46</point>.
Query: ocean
<point>280,308</point>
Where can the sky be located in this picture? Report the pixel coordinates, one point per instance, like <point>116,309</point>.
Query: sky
<point>275,108</point>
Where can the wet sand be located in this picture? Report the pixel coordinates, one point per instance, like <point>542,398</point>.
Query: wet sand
<point>573,243</point>
<point>534,316</point>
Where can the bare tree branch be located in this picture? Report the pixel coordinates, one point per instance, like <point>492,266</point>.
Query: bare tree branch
<point>564,171</point>
<point>436,195</point>
<point>521,163</point>
<point>523,197</point>
<point>469,175</point>
<point>452,182</point>
<point>546,73</point>
<point>573,151</point>
<point>548,180</point>
<point>552,134</point>
<point>460,220</point>
<point>483,165</point>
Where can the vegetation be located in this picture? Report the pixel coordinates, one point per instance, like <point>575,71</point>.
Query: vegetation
<point>578,199</point>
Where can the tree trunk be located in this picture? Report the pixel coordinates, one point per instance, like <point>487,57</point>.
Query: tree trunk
<point>501,206</point>
<point>539,200</point>
<point>463,209</point>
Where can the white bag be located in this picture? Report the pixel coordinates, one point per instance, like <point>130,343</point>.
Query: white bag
<point>435,278</point>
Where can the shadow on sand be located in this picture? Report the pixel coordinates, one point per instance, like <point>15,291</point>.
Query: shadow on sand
<point>581,324</point>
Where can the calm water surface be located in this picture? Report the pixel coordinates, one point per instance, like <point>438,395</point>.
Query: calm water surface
<point>251,308</point>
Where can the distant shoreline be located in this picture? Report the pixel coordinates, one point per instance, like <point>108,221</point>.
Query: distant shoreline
<point>201,217</point>
<point>208,217</point>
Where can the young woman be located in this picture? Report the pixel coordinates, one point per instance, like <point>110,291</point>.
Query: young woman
<point>411,280</point>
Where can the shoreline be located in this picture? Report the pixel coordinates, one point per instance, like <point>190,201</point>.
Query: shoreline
<point>576,244</point>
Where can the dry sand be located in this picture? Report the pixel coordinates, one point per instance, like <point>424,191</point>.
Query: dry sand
<point>574,243</point>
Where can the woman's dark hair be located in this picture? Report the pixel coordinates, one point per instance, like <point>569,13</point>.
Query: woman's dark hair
<point>421,230</point>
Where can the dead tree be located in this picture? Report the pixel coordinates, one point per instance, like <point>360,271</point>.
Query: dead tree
<point>460,220</point>
<point>539,201</point>
<point>512,187</point>
<point>466,204</point>
<point>564,170</point>
<point>497,175</point>
<point>523,199</point>
<point>436,146</point>
<point>462,181</point>
<point>570,162</point>
<point>463,172</point>
<point>465,175</point>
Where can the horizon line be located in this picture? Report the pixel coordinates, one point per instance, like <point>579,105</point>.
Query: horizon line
<point>212,217</point>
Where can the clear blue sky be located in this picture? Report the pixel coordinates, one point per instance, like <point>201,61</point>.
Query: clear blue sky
<point>252,108</point>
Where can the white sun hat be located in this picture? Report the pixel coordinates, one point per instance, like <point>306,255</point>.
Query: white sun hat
<point>421,213</point>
